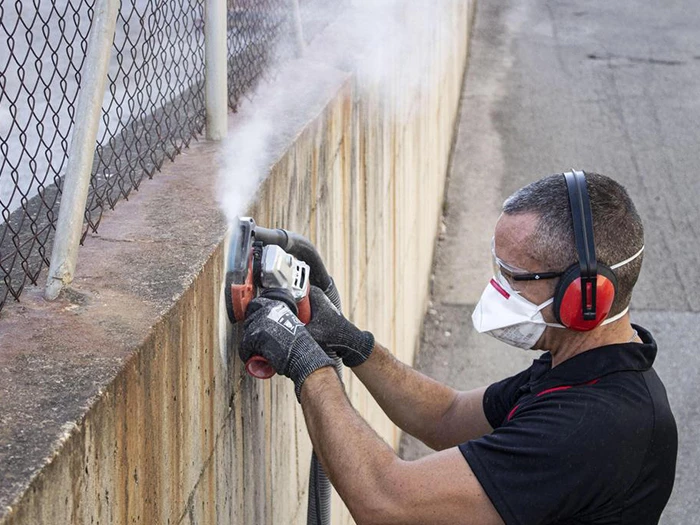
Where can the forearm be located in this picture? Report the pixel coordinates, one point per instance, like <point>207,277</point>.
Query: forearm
<point>414,402</point>
<point>354,457</point>
<point>375,484</point>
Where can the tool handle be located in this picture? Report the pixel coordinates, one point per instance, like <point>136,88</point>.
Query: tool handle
<point>258,367</point>
<point>304,310</point>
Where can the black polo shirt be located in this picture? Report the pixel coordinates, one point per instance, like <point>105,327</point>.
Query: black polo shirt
<point>591,441</point>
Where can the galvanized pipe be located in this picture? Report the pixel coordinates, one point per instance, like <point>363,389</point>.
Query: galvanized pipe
<point>76,183</point>
<point>299,42</point>
<point>215,81</point>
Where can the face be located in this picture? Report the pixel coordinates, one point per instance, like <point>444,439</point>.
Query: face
<point>512,243</point>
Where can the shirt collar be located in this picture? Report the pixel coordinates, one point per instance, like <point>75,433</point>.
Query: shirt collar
<point>595,363</point>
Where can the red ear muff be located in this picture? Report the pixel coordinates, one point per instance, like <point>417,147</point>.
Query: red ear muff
<point>568,308</point>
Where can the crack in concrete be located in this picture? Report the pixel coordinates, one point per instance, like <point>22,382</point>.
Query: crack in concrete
<point>638,60</point>
<point>557,40</point>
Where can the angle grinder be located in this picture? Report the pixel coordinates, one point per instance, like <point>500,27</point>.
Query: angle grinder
<point>282,265</point>
<point>258,264</point>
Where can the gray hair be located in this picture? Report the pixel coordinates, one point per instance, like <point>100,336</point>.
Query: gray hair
<point>617,228</point>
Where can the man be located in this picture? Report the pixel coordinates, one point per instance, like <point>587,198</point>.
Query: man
<point>585,435</point>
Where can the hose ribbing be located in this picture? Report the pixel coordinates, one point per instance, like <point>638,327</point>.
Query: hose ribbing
<point>319,507</point>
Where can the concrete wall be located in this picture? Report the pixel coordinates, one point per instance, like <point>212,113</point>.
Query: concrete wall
<point>123,402</point>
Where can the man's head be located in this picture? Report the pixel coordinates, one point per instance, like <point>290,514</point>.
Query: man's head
<point>536,232</point>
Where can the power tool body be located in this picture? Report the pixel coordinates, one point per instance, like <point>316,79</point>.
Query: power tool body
<point>255,266</point>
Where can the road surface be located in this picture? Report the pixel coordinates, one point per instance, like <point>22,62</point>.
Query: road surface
<point>601,86</point>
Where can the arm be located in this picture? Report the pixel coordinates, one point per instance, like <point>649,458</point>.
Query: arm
<point>375,484</point>
<point>438,415</point>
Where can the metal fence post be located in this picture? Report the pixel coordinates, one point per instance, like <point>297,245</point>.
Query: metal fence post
<point>64,253</point>
<point>215,58</point>
<point>299,41</point>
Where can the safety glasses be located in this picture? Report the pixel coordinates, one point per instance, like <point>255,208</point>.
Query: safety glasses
<point>515,274</point>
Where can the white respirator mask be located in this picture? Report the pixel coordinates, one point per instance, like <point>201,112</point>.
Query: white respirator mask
<point>504,314</point>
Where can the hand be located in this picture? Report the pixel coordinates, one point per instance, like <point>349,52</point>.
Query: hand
<point>274,332</point>
<point>336,334</point>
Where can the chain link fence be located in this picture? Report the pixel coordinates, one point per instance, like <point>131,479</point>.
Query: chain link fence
<point>253,29</point>
<point>42,50</point>
<point>154,105</point>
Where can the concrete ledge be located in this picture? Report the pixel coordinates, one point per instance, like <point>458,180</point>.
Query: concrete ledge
<point>123,402</point>
<point>121,387</point>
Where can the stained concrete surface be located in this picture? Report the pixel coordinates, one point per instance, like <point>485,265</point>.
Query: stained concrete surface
<point>124,402</point>
<point>121,401</point>
<point>601,86</point>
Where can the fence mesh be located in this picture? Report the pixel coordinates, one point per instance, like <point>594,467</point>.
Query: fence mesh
<point>154,105</point>
<point>42,50</point>
<point>254,42</point>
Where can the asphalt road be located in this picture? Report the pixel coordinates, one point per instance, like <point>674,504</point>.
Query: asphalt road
<point>603,86</point>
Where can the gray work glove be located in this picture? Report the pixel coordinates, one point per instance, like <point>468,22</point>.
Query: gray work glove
<point>336,334</point>
<point>274,332</point>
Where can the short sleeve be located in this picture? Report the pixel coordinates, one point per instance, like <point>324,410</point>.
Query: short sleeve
<point>501,397</point>
<point>553,460</point>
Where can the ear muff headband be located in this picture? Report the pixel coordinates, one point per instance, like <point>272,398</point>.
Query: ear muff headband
<point>585,244</point>
<point>585,293</point>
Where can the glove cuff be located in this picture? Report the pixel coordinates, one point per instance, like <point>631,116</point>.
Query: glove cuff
<point>303,361</point>
<point>359,350</point>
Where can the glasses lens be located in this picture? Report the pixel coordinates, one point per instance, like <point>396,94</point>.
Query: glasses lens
<point>495,266</point>
<point>504,271</point>
<point>518,278</point>
<point>501,273</point>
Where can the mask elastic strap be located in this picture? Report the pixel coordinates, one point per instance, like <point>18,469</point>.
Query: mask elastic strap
<point>607,321</point>
<point>555,325</point>
<point>626,261</point>
<point>545,305</point>
<point>615,317</point>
